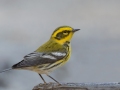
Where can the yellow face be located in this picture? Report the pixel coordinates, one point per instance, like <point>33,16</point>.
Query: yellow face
<point>63,34</point>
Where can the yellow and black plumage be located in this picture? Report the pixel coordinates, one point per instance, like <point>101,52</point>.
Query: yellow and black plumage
<point>54,53</point>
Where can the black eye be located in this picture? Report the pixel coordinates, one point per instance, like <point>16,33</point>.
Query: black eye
<point>65,32</point>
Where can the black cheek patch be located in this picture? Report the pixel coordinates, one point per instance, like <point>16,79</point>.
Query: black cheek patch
<point>60,35</point>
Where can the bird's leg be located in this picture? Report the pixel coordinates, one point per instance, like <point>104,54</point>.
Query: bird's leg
<point>42,79</point>
<point>53,79</point>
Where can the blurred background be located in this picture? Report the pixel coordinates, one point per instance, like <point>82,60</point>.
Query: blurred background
<point>27,24</point>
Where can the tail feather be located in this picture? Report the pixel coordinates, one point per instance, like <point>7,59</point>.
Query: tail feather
<point>6,70</point>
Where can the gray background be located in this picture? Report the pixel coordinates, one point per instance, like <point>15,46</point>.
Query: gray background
<point>26,24</point>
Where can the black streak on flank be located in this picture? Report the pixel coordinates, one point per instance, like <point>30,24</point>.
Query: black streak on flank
<point>53,66</point>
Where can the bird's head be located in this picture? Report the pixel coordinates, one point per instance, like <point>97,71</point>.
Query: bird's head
<point>63,34</point>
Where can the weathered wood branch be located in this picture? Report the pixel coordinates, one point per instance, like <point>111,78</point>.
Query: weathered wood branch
<point>78,86</point>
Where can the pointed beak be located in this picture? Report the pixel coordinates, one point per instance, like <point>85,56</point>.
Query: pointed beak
<point>74,30</point>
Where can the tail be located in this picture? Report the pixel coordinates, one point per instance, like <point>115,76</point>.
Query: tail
<point>6,70</point>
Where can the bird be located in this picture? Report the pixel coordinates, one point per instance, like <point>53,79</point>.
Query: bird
<point>49,56</point>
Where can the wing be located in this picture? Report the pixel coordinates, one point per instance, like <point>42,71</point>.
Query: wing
<point>37,58</point>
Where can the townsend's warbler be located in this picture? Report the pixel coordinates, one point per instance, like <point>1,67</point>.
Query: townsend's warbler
<point>54,53</point>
